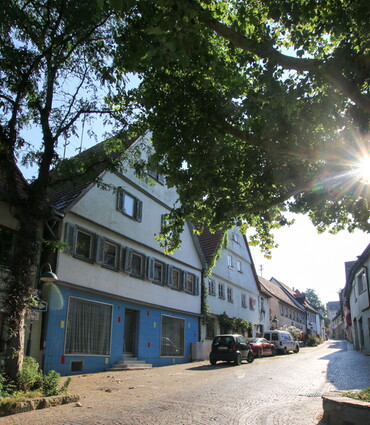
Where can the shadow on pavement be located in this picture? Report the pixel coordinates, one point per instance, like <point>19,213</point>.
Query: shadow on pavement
<point>221,365</point>
<point>347,369</point>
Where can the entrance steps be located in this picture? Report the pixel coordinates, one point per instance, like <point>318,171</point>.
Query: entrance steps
<point>129,362</point>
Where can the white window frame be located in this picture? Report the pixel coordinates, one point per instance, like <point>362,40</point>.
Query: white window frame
<point>244,300</point>
<point>230,262</point>
<point>221,291</point>
<point>230,294</point>
<point>137,212</point>
<point>239,266</point>
<point>211,287</point>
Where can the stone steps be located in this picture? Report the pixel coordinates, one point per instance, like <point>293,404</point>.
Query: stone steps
<point>130,363</point>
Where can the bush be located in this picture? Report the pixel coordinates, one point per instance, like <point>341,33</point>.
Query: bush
<point>30,376</point>
<point>50,384</point>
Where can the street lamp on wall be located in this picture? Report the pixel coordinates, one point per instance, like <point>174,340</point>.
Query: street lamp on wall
<point>274,322</point>
<point>48,275</point>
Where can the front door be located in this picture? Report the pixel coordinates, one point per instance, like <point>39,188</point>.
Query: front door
<point>129,340</point>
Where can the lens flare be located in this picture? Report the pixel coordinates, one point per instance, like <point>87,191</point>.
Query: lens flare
<point>363,170</point>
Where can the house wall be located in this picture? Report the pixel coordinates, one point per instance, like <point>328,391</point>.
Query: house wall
<point>360,311</point>
<point>148,338</point>
<point>240,282</point>
<point>97,214</point>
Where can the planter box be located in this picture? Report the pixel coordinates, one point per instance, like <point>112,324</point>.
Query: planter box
<point>340,410</point>
<point>36,403</point>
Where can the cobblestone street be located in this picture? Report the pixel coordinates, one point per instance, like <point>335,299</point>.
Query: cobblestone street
<point>271,391</point>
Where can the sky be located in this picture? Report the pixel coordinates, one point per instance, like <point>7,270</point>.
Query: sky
<point>306,259</point>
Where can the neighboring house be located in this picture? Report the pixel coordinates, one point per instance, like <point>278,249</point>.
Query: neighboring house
<point>118,294</point>
<point>313,319</point>
<point>333,307</point>
<point>357,291</point>
<point>284,310</point>
<point>232,286</point>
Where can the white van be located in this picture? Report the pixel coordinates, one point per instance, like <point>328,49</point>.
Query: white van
<point>282,340</point>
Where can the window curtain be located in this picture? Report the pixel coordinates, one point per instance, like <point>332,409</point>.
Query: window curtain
<point>88,327</point>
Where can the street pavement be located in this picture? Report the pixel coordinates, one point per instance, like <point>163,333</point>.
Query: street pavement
<point>280,390</point>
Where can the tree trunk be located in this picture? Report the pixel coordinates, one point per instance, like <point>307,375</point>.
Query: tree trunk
<point>20,285</point>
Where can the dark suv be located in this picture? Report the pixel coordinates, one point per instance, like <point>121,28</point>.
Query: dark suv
<point>230,348</point>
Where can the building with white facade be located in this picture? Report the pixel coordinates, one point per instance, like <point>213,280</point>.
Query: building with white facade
<point>117,293</point>
<point>232,287</point>
<point>357,292</point>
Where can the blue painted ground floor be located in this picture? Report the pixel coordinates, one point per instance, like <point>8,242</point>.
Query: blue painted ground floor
<point>86,332</point>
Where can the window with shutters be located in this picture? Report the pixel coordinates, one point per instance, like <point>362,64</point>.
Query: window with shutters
<point>156,176</point>
<point>176,281</point>
<point>190,283</point>
<point>80,242</point>
<point>129,205</point>
<point>110,254</point>
<point>137,265</point>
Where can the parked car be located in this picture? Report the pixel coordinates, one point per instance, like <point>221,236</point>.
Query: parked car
<point>262,347</point>
<point>283,341</point>
<point>230,348</point>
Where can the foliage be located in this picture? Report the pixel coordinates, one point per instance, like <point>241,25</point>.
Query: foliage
<point>314,299</point>
<point>31,382</point>
<point>296,332</point>
<point>312,341</point>
<point>30,376</point>
<point>55,60</point>
<point>50,383</point>
<point>255,108</point>
<point>234,324</point>
<point>363,395</point>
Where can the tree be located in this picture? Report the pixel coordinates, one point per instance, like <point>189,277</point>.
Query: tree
<point>314,299</point>
<point>256,108</point>
<point>55,55</point>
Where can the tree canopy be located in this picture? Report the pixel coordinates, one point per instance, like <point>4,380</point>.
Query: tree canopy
<point>256,107</point>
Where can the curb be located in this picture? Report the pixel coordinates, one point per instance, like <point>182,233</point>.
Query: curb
<point>36,403</point>
<point>344,410</point>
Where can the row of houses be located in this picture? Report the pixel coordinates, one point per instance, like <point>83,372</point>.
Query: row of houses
<point>116,294</point>
<point>351,314</point>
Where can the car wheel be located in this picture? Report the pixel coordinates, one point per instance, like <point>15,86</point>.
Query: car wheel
<point>297,349</point>
<point>212,360</point>
<point>238,360</point>
<point>250,357</point>
<point>259,353</point>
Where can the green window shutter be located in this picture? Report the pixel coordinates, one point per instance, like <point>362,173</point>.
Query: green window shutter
<point>169,275</point>
<point>196,289</point>
<point>127,263</point>
<point>139,210</point>
<point>122,258</point>
<point>150,268</point>
<point>185,281</point>
<point>99,249</point>
<point>69,238</point>
<point>120,199</point>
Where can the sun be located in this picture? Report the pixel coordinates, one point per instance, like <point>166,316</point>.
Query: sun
<point>363,169</point>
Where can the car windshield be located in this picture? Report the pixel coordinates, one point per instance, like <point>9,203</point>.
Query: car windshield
<point>254,340</point>
<point>223,340</point>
